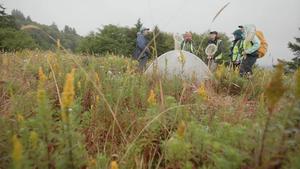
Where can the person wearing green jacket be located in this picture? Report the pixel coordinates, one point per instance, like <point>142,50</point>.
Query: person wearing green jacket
<point>250,50</point>
<point>218,57</point>
<point>187,43</point>
<point>236,51</point>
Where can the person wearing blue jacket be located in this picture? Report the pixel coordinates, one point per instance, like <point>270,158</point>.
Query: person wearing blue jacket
<point>142,52</point>
<point>250,50</point>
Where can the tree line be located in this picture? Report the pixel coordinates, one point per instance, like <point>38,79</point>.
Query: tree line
<point>13,37</point>
<point>114,39</point>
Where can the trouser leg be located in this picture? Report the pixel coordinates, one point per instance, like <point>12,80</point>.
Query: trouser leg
<point>247,64</point>
<point>142,63</point>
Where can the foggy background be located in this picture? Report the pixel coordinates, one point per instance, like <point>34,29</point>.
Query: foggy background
<point>278,19</point>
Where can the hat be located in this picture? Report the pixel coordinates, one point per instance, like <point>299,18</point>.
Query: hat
<point>241,26</point>
<point>213,32</point>
<point>238,34</point>
<point>144,28</point>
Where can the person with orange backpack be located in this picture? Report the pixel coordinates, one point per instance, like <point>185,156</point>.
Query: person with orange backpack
<point>254,47</point>
<point>236,50</point>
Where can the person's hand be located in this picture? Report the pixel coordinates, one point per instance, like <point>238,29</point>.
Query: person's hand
<point>209,57</point>
<point>148,51</point>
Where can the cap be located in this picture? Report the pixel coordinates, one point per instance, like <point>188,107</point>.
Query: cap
<point>214,32</point>
<point>237,32</point>
<point>241,26</point>
<point>144,28</point>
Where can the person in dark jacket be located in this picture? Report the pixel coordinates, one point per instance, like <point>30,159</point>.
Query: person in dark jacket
<point>236,50</point>
<point>142,52</point>
<point>218,56</point>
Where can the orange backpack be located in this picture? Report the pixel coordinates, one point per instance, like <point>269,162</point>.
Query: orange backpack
<point>262,51</point>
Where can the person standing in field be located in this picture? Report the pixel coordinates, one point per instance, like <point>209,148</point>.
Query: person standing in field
<point>251,46</point>
<point>187,43</point>
<point>236,51</point>
<point>218,55</point>
<point>142,52</point>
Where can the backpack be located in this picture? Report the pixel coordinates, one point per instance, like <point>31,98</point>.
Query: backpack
<point>263,44</point>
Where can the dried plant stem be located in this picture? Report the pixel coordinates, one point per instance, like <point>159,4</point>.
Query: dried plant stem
<point>55,81</point>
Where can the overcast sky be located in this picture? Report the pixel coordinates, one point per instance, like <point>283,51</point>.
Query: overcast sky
<point>279,19</point>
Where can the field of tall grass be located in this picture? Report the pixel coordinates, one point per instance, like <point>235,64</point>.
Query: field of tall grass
<point>64,111</point>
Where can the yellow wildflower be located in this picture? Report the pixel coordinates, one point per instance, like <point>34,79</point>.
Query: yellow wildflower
<point>33,139</point>
<point>97,78</point>
<point>220,72</point>
<point>97,99</point>
<point>151,99</point>
<point>42,76</point>
<point>275,88</point>
<point>92,163</point>
<point>237,72</point>
<point>41,95</point>
<point>20,118</point>
<point>17,151</point>
<point>202,92</point>
<point>68,92</point>
<point>181,58</point>
<point>58,44</point>
<point>181,129</point>
<point>79,85</point>
<point>114,165</point>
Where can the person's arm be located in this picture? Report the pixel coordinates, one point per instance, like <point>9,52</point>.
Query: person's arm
<point>220,49</point>
<point>255,46</point>
<point>141,43</point>
<point>231,48</point>
<point>192,47</point>
<point>182,45</point>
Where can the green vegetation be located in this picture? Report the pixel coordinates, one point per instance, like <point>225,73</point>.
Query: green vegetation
<point>14,38</point>
<point>108,39</point>
<point>60,110</point>
<point>292,66</point>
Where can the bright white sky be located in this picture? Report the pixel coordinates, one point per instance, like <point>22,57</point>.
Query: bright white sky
<point>279,19</point>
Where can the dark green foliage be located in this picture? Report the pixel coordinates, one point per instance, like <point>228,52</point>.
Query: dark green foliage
<point>88,44</point>
<point>68,36</point>
<point>201,42</point>
<point>70,39</point>
<point>6,21</point>
<point>19,18</point>
<point>164,41</point>
<point>293,65</point>
<point>139,24</point>
<point>110,39</point>
<point>2,12</point>
<point>115,39</point>
<point>295,48</point>
<point>122,40</point>
<point>12,39</point>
